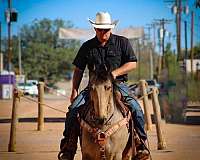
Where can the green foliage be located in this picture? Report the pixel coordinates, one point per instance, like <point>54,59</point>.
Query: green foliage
<point>143,65</point>
<point>187,86</point>
<point>174,73</point>
<point>193,91</point>
<point>196,51</point>
<point>44,55</point>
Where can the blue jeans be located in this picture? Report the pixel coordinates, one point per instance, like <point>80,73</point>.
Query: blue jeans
<point>135,108</point>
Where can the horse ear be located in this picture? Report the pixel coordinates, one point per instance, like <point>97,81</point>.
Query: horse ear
<point>94,68</point>
<point>105,67</point>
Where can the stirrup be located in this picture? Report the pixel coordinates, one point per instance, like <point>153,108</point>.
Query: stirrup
<point>59,155</point>
<point>143,152</point>
<point>142,155</point>
<point>63,156</point>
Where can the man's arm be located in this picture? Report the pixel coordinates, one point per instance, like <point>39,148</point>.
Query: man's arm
<point>125,68</point>
<point>77,77</point>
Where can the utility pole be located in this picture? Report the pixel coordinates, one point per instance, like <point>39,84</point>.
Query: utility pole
<point>186,49</point>
<point>150,48</point>
<point>1,54</point>
<point>19,54</point>
<point>199,28</point>
<point>178,29</point>
<point>154,45</point>
<point>138,56</point>
<point>197,4</point>
<point>162,22</point>
<point>0,36</point>
<point>9,37</point>
<point>153,25</point>
<point>11,16</point>
<point>177,9</point>
<point>139,59</point>
<point>191,50</point>
<point>154,36</point>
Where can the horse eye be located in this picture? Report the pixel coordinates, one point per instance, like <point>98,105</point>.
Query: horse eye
<point>91,87</point>
<point>107,88</point>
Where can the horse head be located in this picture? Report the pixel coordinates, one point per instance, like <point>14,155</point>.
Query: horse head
<point>101,94</point>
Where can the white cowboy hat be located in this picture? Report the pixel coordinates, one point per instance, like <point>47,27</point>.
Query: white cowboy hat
<point>103,21</point>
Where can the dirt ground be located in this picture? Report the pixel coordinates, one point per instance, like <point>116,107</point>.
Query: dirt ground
<point>182,141</point>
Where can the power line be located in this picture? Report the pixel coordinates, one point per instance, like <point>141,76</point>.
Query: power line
<point>162,22</point>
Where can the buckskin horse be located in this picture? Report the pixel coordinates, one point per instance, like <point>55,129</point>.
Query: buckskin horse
<point>105,127</point>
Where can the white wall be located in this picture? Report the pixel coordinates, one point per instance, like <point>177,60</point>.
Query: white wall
<point>188,64</point>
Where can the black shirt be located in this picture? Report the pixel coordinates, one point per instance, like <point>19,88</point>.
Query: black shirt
<point>114,54</point>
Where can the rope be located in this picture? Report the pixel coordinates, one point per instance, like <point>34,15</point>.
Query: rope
<point>54,91</point>
<point>145,95</point>
<point>30,99</point>
<point>19,93</point>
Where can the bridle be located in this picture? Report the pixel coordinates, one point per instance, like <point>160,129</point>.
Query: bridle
<point>92,87</point>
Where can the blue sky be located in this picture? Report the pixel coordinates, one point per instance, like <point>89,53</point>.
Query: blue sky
<point>128,12</point>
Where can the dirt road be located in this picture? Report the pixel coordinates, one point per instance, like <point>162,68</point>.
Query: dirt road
<point>183,141</point>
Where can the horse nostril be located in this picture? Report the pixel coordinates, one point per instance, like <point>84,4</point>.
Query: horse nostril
<point>100,121</point>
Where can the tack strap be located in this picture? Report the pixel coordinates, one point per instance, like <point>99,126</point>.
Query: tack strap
<point>100,136</point>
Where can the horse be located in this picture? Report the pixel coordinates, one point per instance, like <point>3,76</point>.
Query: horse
<point>104,130</point>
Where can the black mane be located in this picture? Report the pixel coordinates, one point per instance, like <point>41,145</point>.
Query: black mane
<point>102,73</point>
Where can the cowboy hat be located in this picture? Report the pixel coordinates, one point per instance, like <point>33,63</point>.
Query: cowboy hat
<point>103,21</point>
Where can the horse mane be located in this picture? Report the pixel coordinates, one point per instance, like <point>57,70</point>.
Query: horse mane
<point>102,74</point>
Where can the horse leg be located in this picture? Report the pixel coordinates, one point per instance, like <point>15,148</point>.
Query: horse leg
<point>86,157</point>
<point>118,156</point>
<point>127,155</point>
<point>127,152</point>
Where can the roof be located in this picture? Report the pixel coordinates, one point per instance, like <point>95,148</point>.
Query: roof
<point>85,34</point>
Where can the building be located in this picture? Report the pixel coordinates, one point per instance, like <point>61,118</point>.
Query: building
<point>195,66</point>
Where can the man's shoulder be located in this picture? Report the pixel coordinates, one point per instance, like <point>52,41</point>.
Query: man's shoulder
<point>119,38</point>
<point>89,42</point>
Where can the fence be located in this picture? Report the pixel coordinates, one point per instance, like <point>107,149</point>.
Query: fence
<point>40,125</point>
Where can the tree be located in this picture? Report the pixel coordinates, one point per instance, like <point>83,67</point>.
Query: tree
<point>44,55</point>
<point>197,51</point>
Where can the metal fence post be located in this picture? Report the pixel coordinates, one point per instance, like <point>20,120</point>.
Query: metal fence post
<point>147,114</point>
<point>40,106</point>
<point>157,115</point>
<point>14,121</point>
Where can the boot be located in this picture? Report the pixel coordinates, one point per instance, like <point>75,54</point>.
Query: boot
<point>68,148</point>
<point>67,156</point>
<point>68,145</point>
<point>143,152</point>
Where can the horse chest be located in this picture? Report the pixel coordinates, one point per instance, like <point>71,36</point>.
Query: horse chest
<point>114,145</point>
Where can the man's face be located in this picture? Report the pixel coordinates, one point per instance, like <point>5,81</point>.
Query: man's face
<point>103,34</point>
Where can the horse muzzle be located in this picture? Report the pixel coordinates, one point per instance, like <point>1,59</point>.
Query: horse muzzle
<point>100,121</point>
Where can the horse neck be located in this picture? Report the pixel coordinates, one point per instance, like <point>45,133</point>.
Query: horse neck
<point>116,111</point>
<point>112,104</point>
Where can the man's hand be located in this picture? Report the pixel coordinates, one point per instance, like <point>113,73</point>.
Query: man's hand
<point>76,80</point>
<point>73,95</point>
<point>125,68</point>
<point>113,75</point>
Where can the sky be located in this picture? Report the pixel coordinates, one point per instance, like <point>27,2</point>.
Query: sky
<point>135,13</point>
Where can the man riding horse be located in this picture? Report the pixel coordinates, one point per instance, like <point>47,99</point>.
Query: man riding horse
<point>117,53</point>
